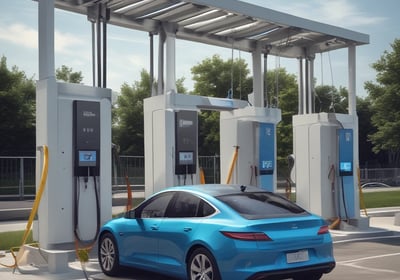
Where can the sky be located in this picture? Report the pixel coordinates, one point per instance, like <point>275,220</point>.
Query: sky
<point>129,50</point>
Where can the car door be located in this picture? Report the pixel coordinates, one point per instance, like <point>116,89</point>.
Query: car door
<point>177,229</point>
<point>140,236</point>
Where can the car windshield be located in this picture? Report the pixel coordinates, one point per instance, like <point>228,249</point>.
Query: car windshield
<point>260,205</point>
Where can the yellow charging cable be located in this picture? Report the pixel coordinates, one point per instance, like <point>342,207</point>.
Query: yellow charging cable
<point>35,207</point>
<point>233,162</point>
<point>202,176</point>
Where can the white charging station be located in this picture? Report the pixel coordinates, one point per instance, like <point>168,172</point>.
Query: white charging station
<point>253,131</point>
<point>326,157</point>
<point>58,212</point>
<point>171,139</point>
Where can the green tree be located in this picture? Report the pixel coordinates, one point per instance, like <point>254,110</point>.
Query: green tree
<point>66,74</point>
<point>367,157</point>
<point>212,77</point>
<point>385,104</point>
<point>128,127</point>
<point>330,99</point>
<point>17,111</point>
<point>284,86</point>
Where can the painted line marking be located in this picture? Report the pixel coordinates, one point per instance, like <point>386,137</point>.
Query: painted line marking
<point>351,263</point>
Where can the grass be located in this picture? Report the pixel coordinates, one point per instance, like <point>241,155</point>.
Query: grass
<point>381,199</point>
<point>13,239</point>
<point>374,199</point>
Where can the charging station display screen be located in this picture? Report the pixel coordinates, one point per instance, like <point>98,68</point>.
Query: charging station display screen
<point>345,167</point>
<point>87,158</point>
<point>185,158</point>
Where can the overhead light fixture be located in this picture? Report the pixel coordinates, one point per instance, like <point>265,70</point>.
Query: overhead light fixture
<point>236,29</point>
<point>166,9</point>
<point>207,22</point>
<point>131,6</point>
<point>200,16</point>
<point>263,34</point>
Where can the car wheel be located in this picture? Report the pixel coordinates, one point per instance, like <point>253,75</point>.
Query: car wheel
<point>202,266</point>
<point>314,276</point>
<point>108,254</point>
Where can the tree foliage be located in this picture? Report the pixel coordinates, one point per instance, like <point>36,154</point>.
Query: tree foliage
<point>66,74</point>
<point>128,120</point>
<point>17,111</point>
<point>367,157</point>
<point>128,129</point>
<point>385,104</point>
<point>18,108</point>
<point>282,86</point>
<point>329,99</point>
<point>214,77</point>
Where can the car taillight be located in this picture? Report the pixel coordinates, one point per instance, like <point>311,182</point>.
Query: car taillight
<point>247,236</point>
<point>323,230</point>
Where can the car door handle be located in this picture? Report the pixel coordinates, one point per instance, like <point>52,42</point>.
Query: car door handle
<point>154,227</point>
<point>187,229</point>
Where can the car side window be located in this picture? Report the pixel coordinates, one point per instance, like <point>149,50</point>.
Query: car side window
<point>188,206</point>
<point>205,209</point>
<point>157,206</point>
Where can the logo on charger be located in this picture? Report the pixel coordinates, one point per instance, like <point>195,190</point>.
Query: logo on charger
<point>185,123</point>
<point>266,164</point>
<point>89,114</point>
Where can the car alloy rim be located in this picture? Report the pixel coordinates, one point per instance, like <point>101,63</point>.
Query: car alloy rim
<point>201,268</point>
<point>107,254</point>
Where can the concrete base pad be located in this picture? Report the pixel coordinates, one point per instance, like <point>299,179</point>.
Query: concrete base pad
<point>30,257</point>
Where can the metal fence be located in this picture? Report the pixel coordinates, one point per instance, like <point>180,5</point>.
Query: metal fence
<point>17,174</point>
<point>389,176</point>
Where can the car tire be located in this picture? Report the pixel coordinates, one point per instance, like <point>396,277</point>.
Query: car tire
<point>202,265</point>
<point>108,255</point>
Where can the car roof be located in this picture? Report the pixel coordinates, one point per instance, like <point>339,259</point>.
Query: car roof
<point>217,189</point>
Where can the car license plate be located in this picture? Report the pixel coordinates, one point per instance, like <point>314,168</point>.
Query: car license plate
<point>299,256</point>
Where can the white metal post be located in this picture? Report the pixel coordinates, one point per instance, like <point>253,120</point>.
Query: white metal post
<point>160,84</point>
<point>170,84</point>
<point>46,39</point>
<point>265,96</point>
<point>300,81</point>
<point>352,79</point>
<point>310,84</point>
<point>257,77</point>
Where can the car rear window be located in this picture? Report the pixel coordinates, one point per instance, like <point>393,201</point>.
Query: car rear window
<point>261,205</point>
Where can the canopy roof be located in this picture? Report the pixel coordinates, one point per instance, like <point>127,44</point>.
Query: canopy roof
<point>225,23</point>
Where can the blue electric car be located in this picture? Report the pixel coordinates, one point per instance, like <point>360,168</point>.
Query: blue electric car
<point>215,232</point>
